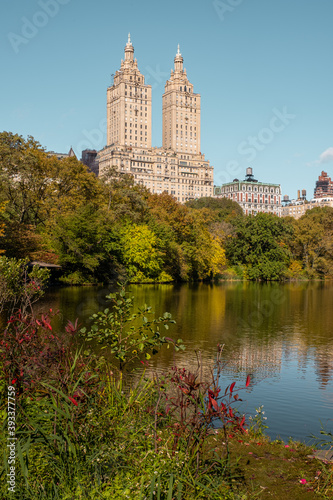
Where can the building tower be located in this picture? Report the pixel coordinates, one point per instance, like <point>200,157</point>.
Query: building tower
<point>324,186</point>
<point>129,105</point>
<point>181,112</point>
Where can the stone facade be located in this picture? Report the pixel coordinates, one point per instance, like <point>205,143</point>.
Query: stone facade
<point>185,177</point>
<point>298,208</point>
<point>253,196</point>
<point>129,105</point>
<point>181,112</point>
<point>178,167</point>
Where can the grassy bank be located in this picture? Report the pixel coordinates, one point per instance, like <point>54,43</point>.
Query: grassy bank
<point>88,428</point>
<point>121,444</point>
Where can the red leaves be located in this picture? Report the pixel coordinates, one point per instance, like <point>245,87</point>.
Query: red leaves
<point>72,328</point>
<point>198,406</point>
<point>212,396</point>
<point>73,401</point>
<point>248,380</point>
<point>215,405</point>
<point>31,350</point>
<point>45,322</point>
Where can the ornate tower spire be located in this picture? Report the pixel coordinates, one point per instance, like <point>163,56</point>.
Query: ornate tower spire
<point>181,111</point>
<point>178,61</point>
<point>129,49</point>
<point>129,94</point>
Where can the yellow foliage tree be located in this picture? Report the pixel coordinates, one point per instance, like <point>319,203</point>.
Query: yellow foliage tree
<point>140,254</point>
<point>218,258</point>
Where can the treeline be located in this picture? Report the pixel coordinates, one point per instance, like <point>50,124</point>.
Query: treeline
<point>102,229</point>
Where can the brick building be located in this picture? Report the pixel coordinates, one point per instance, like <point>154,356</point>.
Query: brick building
<point>253,196</point>
<point>324,186</point>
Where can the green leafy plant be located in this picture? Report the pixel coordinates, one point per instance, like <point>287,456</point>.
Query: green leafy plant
<point>127,335</point>
<point>258,425</point>
<point>20,288</point>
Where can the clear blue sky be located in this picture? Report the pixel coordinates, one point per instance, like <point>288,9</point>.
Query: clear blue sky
<point>263,68</point>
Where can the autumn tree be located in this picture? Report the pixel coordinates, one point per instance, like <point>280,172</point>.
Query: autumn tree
<point>313,241</point>
<point>38,188</point>
<point>197,253</point>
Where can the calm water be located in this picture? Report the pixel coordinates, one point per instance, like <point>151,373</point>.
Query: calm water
<point>281,334</point>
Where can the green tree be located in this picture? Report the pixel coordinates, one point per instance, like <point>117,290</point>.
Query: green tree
<point>19,287</point>
<point>38,188</point>
<point>86,245</point>
<point>223,208</point>
<point>2,224</point>
<point>126,199</point>
<point>140,254</point>
<point>260,244</point>
<point>24,177</point>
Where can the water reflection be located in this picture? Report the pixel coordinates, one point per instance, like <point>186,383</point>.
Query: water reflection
<point>281,334</point>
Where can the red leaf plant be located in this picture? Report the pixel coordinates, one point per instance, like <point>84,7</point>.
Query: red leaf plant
<point>195,409</point>
<point>31,352</point>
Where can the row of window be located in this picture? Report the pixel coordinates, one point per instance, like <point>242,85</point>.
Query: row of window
<point>136,101</point>
<point>135,144</point>
<point>130,107</point>
<point>190,98</point>
<point>249,188</point>
<point>134,88</point>
<point>267,207</point>
<point>136,138</point>
<point>136,125</point>
<point>195,128</point>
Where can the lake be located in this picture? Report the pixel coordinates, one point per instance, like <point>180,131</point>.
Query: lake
<point>281,334</point>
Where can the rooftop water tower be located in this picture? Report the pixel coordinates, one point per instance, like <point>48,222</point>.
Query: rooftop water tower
<point>249,175</point>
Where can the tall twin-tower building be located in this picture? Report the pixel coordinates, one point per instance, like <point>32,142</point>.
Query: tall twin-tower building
<point>178,167</point>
